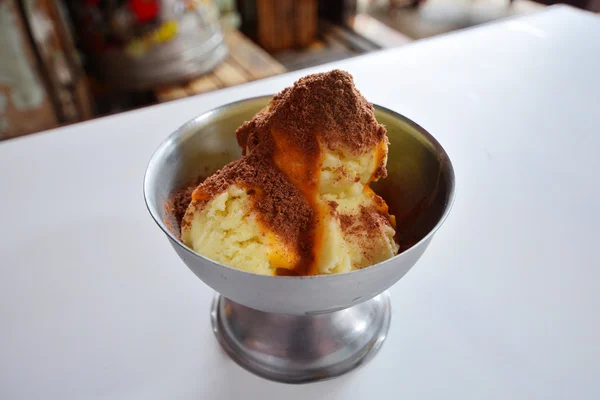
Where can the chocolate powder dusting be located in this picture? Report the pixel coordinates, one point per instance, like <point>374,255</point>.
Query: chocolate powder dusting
<point>176,206</point>
<point>346,221</point>
<point>323,107</point>
<point>181,201</point>
<point>279,204</point>
<point>369,221</point>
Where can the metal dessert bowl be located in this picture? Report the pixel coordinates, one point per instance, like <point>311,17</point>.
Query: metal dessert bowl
<point>301,329</point>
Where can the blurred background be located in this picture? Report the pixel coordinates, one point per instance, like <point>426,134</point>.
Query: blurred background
<point>65,61</point>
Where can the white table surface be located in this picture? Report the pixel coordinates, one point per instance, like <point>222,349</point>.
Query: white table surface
<point>505,304</point>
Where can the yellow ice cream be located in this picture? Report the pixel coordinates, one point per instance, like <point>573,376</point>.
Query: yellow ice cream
<point>227,230</point>
<point>299,201</point>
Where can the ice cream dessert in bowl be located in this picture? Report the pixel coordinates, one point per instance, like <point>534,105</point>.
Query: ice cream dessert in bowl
<point>298,201</point>
<point>300,209</point>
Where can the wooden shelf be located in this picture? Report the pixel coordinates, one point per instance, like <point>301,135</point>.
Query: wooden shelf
<point>246,62</point>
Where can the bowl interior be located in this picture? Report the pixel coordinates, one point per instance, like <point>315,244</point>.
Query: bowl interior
<point>420,181</point>
<point>418,188</point>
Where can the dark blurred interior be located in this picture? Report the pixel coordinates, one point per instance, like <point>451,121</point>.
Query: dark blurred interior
<point>65,61</point>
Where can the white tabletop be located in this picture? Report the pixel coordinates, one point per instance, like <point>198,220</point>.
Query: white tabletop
<point>94,303</point>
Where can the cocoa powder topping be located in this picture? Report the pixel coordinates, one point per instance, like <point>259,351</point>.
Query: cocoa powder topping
<point>176,206</point>
<point>280,205</point>
<point>323,107</point>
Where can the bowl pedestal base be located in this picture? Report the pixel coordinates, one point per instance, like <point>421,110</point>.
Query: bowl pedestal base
<point>301,348</point>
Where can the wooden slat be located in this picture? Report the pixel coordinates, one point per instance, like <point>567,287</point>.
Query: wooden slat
<point>285,24</point>
<point>254,60</point>
<point>265,16</point>
<point>203,84</point>
<point>170,93</point>
<point>230,74</point>
<point>305,22</point>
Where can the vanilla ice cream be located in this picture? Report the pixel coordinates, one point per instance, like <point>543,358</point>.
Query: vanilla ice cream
<point>298,202</point>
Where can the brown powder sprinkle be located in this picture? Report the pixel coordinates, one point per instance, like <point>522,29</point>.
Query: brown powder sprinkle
<point>369,221</point>
<point>176,206</point>
<point>280,205</point>
<point>346,222</point>
<point>328,104</point>
<point>323,107</point>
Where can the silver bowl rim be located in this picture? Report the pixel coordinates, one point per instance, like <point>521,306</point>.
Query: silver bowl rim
<point>216,111</point>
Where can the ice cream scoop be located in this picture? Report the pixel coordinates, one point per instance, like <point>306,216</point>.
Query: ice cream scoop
<point>298,202</point>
